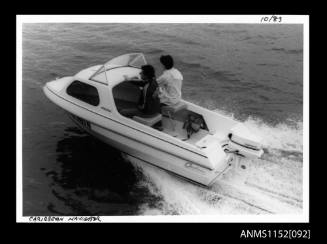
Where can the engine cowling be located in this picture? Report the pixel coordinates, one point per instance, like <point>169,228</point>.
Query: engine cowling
<point>245,142</point>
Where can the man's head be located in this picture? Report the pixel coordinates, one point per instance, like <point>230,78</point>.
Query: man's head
<point>147,72</point>
<point>167,61</point>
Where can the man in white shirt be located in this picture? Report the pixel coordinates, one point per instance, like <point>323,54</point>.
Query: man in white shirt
<point>170,82</point>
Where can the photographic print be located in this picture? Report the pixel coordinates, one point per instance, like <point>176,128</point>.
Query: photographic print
<point>163,118</point>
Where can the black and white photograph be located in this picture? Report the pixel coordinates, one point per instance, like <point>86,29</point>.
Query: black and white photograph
<point>181,118</point>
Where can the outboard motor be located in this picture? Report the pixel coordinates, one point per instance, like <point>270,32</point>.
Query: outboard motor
<point>245,142</point>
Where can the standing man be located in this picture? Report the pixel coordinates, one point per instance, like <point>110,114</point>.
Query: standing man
<point>170,82</point>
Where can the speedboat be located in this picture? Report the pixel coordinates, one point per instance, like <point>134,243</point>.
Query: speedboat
<point>95,97</point>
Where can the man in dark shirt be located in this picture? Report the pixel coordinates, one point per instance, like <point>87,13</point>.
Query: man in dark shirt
<point>149,102</point>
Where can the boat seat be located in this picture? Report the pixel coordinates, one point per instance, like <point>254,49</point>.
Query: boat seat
<point>150,121</point>
<point>171,110</point>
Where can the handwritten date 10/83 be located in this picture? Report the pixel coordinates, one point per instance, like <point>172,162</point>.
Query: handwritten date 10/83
<point>271,19</point>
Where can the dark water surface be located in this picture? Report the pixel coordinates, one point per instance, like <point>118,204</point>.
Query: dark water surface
<point>251,72</point>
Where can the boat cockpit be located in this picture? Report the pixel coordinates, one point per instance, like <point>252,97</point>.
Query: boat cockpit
<point>173,119</point>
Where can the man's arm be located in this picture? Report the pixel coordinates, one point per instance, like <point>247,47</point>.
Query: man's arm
<point>161,80</point>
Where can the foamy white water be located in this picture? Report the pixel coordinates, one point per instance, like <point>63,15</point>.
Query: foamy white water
<point>281,136</point>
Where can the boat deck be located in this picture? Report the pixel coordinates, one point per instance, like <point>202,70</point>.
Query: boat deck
<point>181,133</point>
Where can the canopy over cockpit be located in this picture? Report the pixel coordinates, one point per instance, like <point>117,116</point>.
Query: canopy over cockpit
<point>129,64</point>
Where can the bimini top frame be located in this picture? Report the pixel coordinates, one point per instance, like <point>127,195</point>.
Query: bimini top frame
<point>136,60</point>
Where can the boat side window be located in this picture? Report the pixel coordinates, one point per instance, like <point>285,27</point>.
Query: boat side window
<point>84,92</point>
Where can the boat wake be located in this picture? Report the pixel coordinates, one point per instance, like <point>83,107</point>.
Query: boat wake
<point>269,185</point>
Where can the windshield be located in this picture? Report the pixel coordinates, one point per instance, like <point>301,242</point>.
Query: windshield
<point>132,59</point>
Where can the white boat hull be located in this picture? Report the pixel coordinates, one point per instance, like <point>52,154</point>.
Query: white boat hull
<point>186,169</point>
